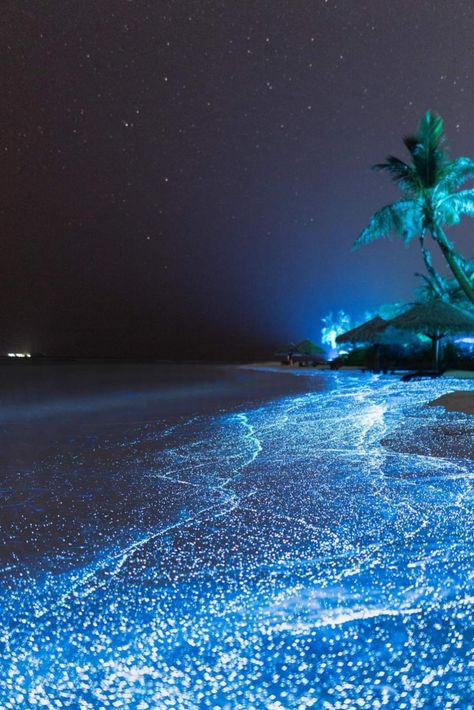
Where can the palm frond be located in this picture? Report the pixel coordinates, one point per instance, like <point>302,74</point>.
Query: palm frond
<point>403,218</point>
<point>404,175</point>
<point>428,290</point>
<point>410,143</point>
<point>430,130</point>
<point>453,292</point>
<point>452,207</point>
<point>455,173</point>
<point>426,149</point>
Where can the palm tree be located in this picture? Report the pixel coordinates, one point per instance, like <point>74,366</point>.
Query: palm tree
<point>454,293</point>
<point>431,200</point>
<point>333,326</point>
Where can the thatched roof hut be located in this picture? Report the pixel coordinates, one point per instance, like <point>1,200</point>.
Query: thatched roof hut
<point>304,352</point>
<point>435,319</point>
<point>307,347</point>
<point>369,332</point>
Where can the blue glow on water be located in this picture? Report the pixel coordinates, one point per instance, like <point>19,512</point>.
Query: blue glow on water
<point>278,557</point>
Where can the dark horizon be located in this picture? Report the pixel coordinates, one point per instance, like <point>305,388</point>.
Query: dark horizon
<point>185,180</point>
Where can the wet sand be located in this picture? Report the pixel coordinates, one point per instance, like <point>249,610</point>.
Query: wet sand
<point>457,401</point>
<point>439,439</point>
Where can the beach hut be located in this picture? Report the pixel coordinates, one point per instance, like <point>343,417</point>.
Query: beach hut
<point>307,347</point>
<point>369,333</point>
<point>307,353</point>
<point>304,352</point>
<point>436,320</point>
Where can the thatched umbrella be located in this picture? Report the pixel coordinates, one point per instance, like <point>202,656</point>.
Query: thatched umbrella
<point>304,351</point>
<point>307,347</point>
<point>370,333</point>
<point>435,319</point>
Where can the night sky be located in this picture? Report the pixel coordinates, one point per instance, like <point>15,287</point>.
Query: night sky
<point>186,179</point>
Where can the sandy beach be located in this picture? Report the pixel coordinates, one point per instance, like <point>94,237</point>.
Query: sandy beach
<point>456,401</point>
<point>439,439</point>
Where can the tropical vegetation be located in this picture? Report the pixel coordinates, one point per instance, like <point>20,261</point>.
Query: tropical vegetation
<point>432,201</point>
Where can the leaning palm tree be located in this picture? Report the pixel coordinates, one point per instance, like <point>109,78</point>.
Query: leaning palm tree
<point>432,200</point>
<point>453,292</point>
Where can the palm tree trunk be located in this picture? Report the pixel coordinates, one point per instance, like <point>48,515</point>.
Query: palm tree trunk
<point>435,278</point>
<point>454,261</point>
<point>465,264</point>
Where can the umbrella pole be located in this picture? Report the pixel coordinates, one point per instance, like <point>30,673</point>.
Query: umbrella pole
<point>436,351</point>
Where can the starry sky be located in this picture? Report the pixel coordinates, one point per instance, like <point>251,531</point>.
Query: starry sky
<point>186,178</point>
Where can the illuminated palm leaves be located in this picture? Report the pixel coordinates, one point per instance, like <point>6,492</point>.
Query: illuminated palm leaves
<point>432,199</point>
<point>455,173</point>
<point>426,151</point>
<point>452,207</point>
<point>403,218</point>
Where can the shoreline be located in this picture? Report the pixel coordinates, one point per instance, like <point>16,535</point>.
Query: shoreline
<point>456,401</point>
<point>430,438</point>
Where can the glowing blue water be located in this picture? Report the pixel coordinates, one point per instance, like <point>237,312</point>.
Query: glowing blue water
<point>278,557</point>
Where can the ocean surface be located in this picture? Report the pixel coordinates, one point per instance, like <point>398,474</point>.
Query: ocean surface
<point>220,537</point>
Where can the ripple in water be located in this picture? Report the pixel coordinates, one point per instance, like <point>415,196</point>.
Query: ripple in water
<point>279,557</point>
